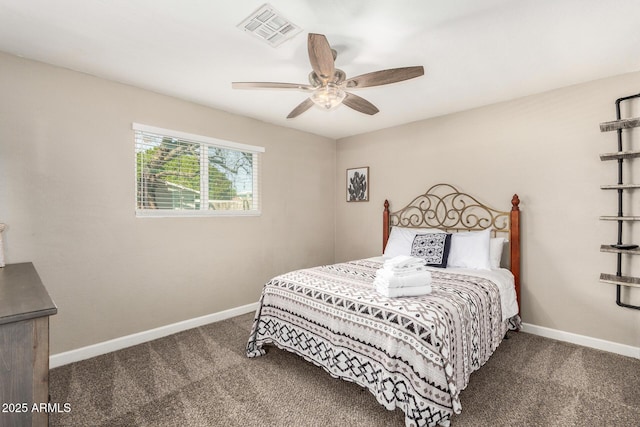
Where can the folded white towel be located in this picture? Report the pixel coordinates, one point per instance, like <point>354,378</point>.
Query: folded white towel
<point>403,261</point>
<point>403,292</point>
<point>403,271</point>
<point>391,280</point>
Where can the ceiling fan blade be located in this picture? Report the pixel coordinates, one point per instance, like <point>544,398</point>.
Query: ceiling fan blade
<point>270,85</point>
<point>359,104</point>
<point>321,56</point>
<point>301,108</point>
<point>383,77</point>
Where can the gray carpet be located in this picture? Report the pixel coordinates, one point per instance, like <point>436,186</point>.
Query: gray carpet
<point>201,377</point>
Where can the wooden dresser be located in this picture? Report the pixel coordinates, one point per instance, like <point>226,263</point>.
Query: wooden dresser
<point>25,307</point>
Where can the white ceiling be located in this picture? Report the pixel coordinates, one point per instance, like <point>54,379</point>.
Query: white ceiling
<point>474,52</point>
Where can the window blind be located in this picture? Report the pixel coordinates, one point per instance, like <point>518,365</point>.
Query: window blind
<point>181,174</point>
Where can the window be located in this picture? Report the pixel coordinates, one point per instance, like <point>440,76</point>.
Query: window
<point>179,174</point>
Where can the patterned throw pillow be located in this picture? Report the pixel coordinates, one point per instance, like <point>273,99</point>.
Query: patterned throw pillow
<point>433,248</point>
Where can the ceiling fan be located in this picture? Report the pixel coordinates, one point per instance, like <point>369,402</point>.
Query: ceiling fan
<point>328,84</point>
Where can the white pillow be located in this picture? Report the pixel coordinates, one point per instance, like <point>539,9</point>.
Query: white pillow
<point>470,250</point>
<point>496,246</point>
<point>401,240</point>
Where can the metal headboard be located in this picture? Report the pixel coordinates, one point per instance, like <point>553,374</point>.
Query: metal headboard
<point>445,207</point>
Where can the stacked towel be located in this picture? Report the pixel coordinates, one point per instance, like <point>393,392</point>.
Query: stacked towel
<point>403,276</point>
<point>403,292</point>
<point>403,261</point>
<point>404,265</point>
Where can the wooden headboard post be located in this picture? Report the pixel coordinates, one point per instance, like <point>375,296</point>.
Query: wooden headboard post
<point>514,239</point>
<point>385,225</point>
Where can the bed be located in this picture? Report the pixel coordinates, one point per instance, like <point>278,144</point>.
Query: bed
<point>412,353</point>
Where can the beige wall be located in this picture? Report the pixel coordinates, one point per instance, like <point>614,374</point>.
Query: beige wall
<point>545,148</point>
<point>67,195</point>
<point>112,274</point>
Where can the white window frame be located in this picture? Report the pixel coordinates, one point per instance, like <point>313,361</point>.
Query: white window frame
<point>205,142</point>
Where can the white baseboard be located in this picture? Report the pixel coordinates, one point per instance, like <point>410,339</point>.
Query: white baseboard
<point>98,349</point>
<point>613,347</point>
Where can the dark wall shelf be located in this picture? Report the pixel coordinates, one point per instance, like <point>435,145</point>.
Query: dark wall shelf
<point>609,248</point>
<point>620,186</point>
<point>620,280</point>
<point>621,155</point>
<point>620,124</point>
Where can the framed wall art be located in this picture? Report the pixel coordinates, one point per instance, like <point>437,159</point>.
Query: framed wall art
<point>358,184</point>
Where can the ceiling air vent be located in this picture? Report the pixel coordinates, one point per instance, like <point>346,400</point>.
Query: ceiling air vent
<point>269,25</point>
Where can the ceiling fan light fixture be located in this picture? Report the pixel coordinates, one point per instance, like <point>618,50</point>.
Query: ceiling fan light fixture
<point>327,83</point>
<point>328,96</point>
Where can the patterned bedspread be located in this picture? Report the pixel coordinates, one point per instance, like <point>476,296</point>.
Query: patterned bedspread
<point>412,353</point>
